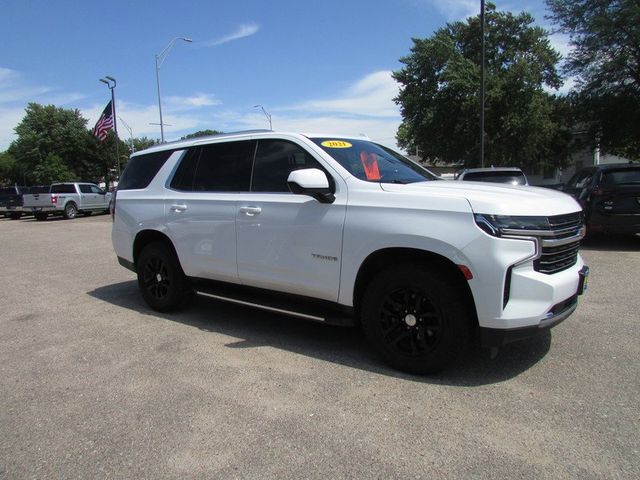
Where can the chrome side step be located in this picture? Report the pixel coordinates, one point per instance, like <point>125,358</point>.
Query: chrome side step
<point>306,308</point>
<point>263,307</point>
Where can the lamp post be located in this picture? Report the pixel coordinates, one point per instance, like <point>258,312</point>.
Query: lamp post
<point>111,83</point>
<point>482,75</point>
<point>265,114</point>
<point>159,60</point>
<point>131,147</point>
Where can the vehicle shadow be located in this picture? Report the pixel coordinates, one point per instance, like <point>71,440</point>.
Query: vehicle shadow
<point>345,346</point>
<point>611,243</point>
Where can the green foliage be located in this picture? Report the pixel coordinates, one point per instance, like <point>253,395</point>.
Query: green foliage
<point>439,94</point>
<point>51,169</point>
<point>201,133</point>
<point>143,143</point>
<point>9,173</point>
<point>605,35</point>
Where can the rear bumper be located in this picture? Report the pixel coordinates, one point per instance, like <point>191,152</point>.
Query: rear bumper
<point>43,209</point>
<point>14,209</point>
<point>613,223</point>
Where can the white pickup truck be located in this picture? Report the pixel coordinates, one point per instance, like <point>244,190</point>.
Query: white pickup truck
<point>343,230</point>
<point>69,200</point>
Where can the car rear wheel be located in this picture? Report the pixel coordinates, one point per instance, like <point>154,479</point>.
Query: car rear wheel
<point>415,318</point>
<point>41,216</point>
<point>70,211</point>
<point>16,216</point>
<point>163,284</point>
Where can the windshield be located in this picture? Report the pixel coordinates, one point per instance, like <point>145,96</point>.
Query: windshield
<point>371,162</point>
<point>512,178</point>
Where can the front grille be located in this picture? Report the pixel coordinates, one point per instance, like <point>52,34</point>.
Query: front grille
<point>556,259</point>
<point>556,256</point>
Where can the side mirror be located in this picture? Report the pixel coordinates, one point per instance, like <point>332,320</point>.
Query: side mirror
<point>312,182</point>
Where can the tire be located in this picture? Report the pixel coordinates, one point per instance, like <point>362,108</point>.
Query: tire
<point>415,318</point>
<point>70,211</point>
<point>41,217</point>
<point>15,216</point>
<point>163,284</point>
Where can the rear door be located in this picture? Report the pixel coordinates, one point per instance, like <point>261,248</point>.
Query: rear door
<point>287,242</point>
<point>200,207</point>
<point>88,198</point>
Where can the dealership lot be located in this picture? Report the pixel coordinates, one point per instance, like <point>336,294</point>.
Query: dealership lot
<point>95,384</point>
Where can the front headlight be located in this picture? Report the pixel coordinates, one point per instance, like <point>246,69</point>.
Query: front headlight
<point>499,225</point>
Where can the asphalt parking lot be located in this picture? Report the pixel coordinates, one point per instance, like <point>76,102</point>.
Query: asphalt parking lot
<point>93,384</point>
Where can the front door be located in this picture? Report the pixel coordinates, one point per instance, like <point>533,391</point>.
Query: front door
<point>287,242</point>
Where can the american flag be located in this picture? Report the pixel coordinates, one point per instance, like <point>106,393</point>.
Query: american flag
<point>104,123</point>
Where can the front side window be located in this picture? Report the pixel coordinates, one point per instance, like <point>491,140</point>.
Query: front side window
<point>372,162</point>
<point>275,160</point>
<point>85,188</point>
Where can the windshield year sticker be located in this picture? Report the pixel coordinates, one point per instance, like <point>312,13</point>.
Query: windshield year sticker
<point>336,144</point>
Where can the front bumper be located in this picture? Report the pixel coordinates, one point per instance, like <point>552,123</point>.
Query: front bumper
<point>496,337</point>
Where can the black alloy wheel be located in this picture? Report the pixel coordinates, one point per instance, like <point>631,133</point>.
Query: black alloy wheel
<point>161,280</point>
<point>416,317</point>
<point>155,278</point>
<point>410,322</point>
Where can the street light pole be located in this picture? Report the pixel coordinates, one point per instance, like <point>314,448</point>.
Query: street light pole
<point>111,83</point>
<point>131,147</point>
<point>482,82</point>
<point>265,114</point>
<point>159,60</point>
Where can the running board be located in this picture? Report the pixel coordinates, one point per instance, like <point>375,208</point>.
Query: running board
<point>276,302</point>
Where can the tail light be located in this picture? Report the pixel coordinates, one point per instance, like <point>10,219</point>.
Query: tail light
<point>54,199</point>
<point>113,205</point>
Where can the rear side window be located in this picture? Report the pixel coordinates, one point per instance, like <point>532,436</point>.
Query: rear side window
<point>218,167</point>
<point>629,176</point>
<point>512,178</point>
<point>141,170</point>
<point>63,188</point>
<point>275,160</point>
<point>8,191</point>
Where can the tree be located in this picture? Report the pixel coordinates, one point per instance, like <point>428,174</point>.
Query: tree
<point>142,143</point>
<point>605,59</point>
<point>54,136</point>
<point>51,169</point>
<point>201,133</point>
<point>9,173</point>
<point>439,95</point>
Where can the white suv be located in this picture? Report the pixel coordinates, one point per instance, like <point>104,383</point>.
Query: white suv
<point>345,231</point>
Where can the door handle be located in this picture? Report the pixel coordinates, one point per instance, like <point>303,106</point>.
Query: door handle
<point>178,208</point>
<point>250,211</point>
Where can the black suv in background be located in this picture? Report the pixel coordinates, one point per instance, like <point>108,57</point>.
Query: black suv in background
<point>11,201</point>
<point>610,197</point>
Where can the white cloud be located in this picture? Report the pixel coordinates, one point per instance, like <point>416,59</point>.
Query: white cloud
<point>371,96</point>
<point>244,30</point>
<point>456,9</point>
<point>197,100</point>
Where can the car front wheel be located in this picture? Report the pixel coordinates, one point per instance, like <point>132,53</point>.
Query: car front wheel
<point>416,319</point>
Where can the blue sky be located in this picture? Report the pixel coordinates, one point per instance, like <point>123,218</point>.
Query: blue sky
<point>315,66</point>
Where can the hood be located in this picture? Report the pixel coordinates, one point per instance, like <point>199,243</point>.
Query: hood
<point>495,198</point>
